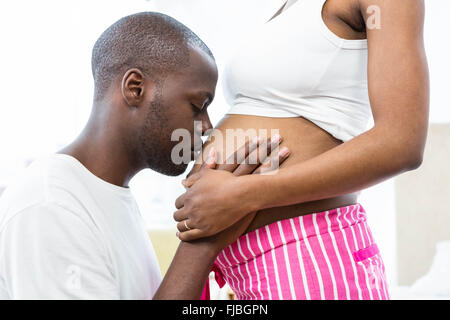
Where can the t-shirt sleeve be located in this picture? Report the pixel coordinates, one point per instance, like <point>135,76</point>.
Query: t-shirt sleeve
<point>49,252</point>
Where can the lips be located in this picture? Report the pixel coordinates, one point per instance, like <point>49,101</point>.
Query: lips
<point>195,151</point>
<point>197,148</point>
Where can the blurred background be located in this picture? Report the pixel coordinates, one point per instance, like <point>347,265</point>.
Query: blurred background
<point>47,87</point>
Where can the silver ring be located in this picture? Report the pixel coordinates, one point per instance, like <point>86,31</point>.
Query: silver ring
<point>185,224</point>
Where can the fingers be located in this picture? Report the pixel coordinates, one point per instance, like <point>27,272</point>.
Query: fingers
<point>179,202</point>
<point>273,162</point>
<point>187,183</point>
<point>265,149</point>
<point>258,156</point>
<point>245,168</point>
<point>252,161</point>
<point>245,160</point>
<point>180,215</point>
<point>230,234</point>
<point>187,232</point>
<point>210,163</point>
<point>184,225</point>
<point>272,145</point>
<point>239,155</point>
<point>190,235</point>
<point>196,168</point>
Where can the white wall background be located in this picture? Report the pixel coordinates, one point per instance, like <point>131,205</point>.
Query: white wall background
<point>46,84</point>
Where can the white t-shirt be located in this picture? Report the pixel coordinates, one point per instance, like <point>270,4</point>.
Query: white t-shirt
<point>67,234</point>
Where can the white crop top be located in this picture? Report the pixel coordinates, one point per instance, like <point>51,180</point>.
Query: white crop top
<point>294,66</point>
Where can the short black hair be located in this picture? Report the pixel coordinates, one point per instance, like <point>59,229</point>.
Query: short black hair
<point>150,41</point>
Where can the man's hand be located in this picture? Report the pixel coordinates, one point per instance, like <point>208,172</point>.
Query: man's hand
<point>209,204</point>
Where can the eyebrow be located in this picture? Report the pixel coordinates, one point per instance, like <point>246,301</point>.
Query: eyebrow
<point>208,95</point>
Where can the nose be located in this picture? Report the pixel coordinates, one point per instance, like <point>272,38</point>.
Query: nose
<point>206,123</point>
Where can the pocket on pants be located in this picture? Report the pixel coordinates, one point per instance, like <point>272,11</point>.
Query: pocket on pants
<point>369,259</point>
<point>366,253</point>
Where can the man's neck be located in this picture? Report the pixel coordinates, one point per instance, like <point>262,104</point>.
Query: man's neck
<point>102,151</point>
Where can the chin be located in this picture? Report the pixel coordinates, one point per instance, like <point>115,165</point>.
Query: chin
<point>172,170</point>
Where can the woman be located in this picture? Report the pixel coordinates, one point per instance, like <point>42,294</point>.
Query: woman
<point>315,72</point>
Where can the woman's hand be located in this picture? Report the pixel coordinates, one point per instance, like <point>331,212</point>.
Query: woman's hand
<point>209,204</point>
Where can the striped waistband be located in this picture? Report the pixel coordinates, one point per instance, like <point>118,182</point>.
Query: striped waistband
<point>280,233</point>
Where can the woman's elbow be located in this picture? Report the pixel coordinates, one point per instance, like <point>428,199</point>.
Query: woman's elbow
<point>412,158</point>
<point>414,162</point>
<point>407,150</point>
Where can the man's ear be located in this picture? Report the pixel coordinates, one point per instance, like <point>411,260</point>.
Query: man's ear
<point>133,87</point>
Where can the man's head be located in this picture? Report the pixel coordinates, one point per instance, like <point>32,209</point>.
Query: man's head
<point>155,76</point>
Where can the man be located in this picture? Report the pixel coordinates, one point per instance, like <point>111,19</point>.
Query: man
<point>70,227</point>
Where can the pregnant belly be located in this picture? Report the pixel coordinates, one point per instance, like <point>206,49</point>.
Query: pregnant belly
<point>304,139</point>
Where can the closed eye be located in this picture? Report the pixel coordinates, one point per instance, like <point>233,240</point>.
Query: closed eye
<point>196,109</point>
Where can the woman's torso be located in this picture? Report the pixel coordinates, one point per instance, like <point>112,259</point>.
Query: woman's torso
<point>301,133</point>
<point>304,139</point>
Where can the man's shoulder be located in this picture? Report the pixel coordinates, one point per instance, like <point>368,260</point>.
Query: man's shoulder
<point>46,182</point>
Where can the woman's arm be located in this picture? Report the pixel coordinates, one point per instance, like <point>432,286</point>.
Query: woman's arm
<point>399,96</point>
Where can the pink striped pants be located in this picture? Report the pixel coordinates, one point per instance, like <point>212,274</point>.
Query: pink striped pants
<point>325,255</point>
